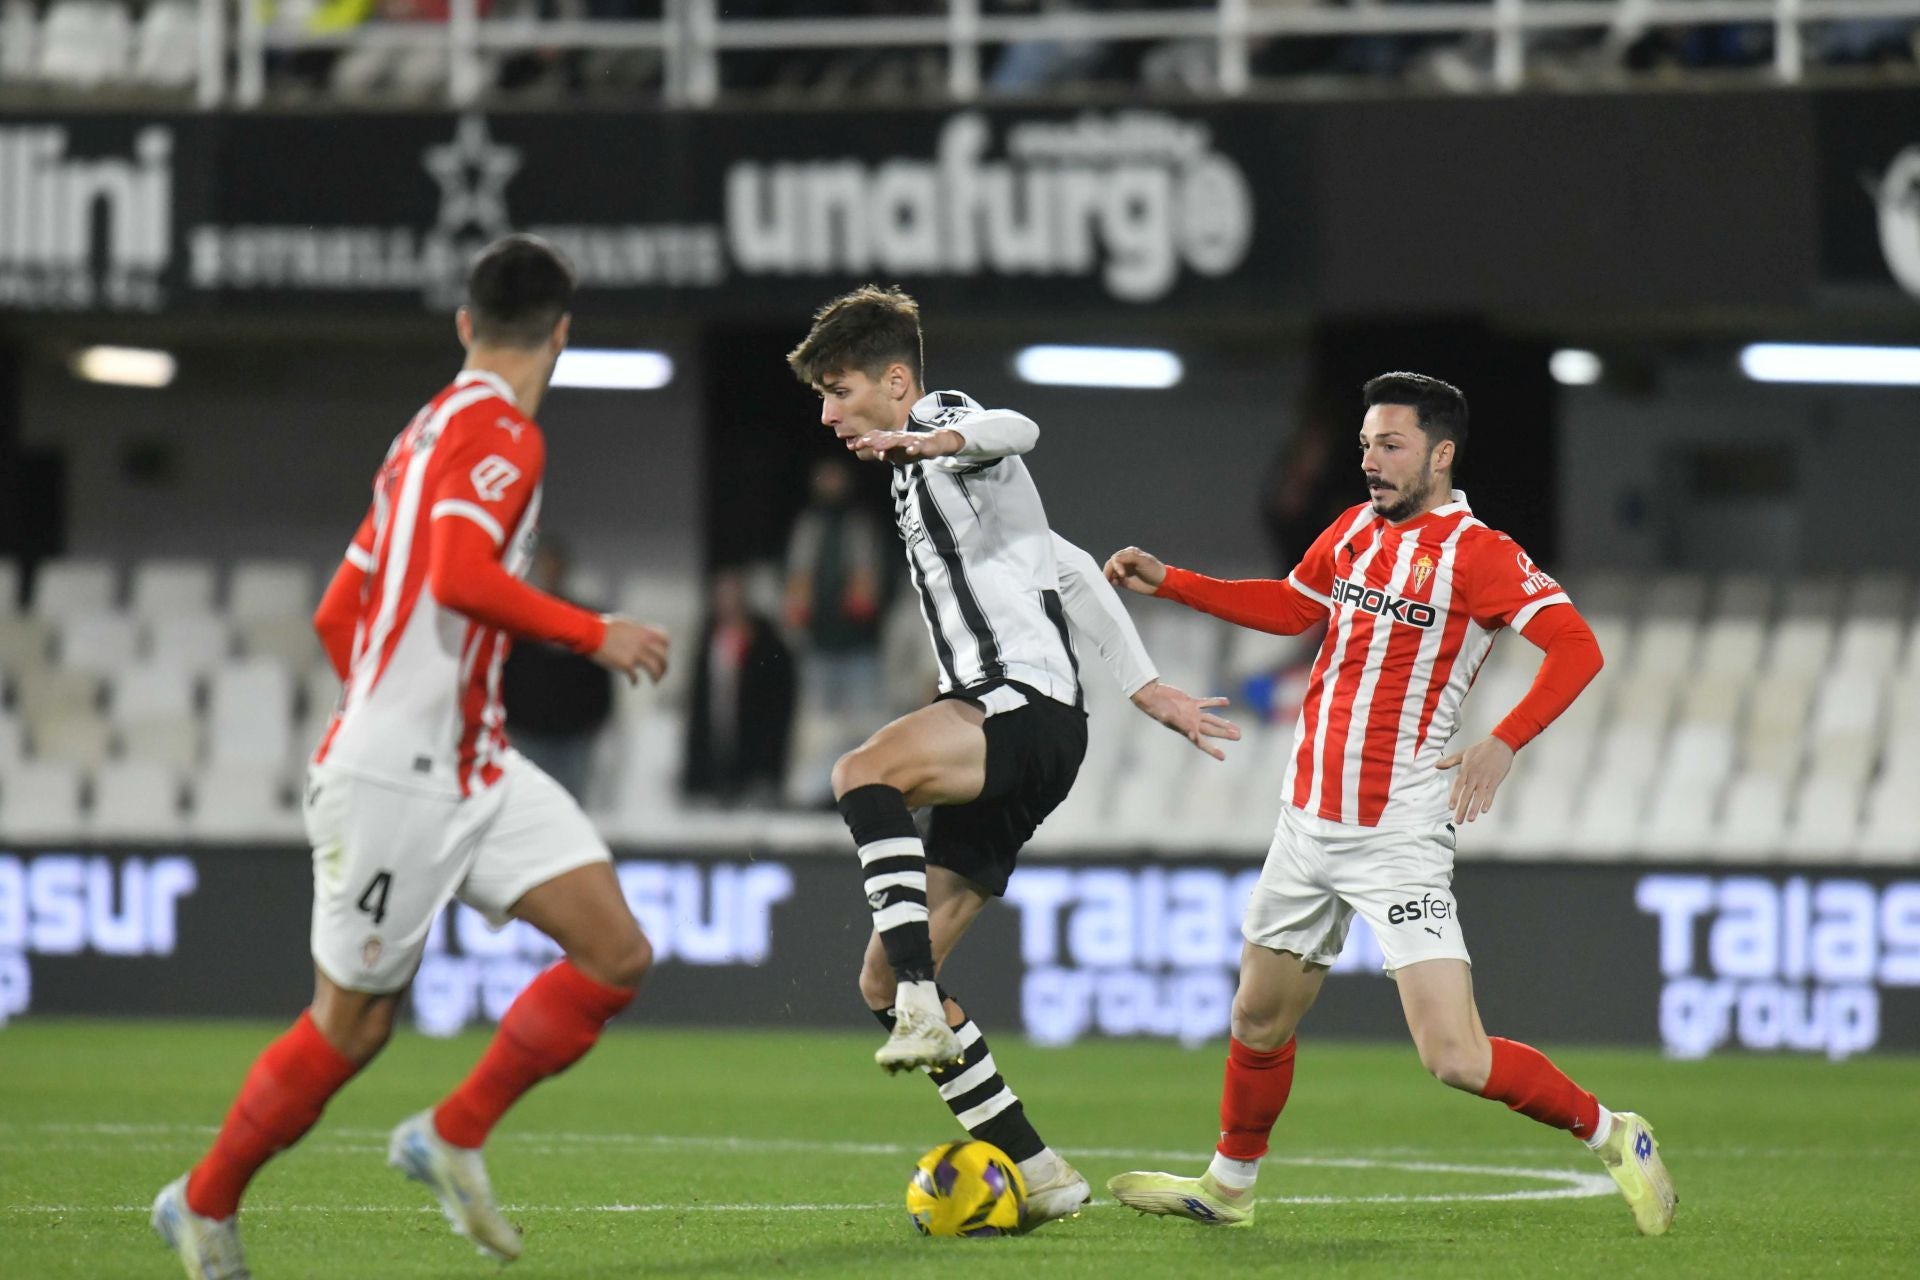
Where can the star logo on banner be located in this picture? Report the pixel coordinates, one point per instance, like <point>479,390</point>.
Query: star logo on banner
<point>473,171</point>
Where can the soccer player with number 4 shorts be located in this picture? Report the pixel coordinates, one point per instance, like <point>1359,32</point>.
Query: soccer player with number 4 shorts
<point>414,798</point>
<point>1004,599</point>
<point>1413,590</point>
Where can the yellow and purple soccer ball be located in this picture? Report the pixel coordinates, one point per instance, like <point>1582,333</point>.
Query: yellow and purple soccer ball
<point>966,1189</point>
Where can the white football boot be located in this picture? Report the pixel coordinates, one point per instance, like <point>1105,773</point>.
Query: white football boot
<point>1055,1190</point>
<point>209,1248</point>
<point>458,1179</point>
<point>921,1036</point>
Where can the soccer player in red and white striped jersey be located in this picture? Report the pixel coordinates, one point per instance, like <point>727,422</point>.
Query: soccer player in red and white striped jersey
<point>1413,590</point>
<point>414,796</point>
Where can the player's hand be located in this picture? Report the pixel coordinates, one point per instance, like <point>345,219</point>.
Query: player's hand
<point>903,447</point>
<point>1190,717</point>
<point>1136,570</point>
<point>1483,767</point>
<point>632,647</point>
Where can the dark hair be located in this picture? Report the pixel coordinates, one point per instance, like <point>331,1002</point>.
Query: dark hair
<point>1441,407</point>
<point>517,289</point>
<point>865,330</point>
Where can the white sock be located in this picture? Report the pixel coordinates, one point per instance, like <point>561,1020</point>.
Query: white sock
<point>1234,1175</point>
<point>924,996</point>
<point>1041,1168</point>
<point>1602,1130</point>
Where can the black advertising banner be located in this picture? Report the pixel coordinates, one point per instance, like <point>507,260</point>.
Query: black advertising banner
<point>1870,189</point>
<point>1618,201</point>
<point>1695,959</point>
<point>707,212</point>
<point>1250,210</point>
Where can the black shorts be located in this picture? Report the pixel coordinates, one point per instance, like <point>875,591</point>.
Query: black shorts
<point>1033,755</point>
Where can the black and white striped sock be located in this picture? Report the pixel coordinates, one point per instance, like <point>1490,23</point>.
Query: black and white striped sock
<point>894,866</point>
<point>978,1095</point>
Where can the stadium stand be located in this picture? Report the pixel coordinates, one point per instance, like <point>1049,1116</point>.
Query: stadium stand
<point>1732,721</point>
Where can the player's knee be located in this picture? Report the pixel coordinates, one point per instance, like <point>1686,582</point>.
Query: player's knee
<point>629,967</point>
<point>1455,1064</point>
<point>1257,1028</point>
<point>860,767</point>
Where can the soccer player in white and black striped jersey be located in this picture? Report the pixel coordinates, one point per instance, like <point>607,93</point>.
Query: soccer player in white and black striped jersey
<point>1004,598</point>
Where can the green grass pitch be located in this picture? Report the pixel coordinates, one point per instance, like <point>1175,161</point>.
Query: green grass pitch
<point>772,1154</point>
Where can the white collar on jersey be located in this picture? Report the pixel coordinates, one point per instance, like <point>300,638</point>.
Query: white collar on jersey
<point>492,379</point>
<point>1459,503</point>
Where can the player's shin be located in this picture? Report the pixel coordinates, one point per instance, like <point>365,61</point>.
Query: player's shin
<point>1528,1082</point>
<point>283,1096</point>
<point>1252,1096</point>
<point>894,866</point>
<point>978,1095</point>
<point>547,1029</point>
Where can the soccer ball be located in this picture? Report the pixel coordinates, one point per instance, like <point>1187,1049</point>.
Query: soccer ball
<point>966,1189</point>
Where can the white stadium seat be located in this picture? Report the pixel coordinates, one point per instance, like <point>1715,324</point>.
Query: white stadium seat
<point>1753,819</point>
<point>173,742</point>
<point>100,643</point>
<point>271,589</point>
<point>241,802</point>
<point>85,43</point>
<point>26,644</point>
<point>191,642</point>
<point>166,45</point>
<point>40,801</point>
<point>250,714</point>
<point>1891,830</point>
<point>1825,824</point>
<point>80,738</point>
<point>65,588</point>
<point>290,641</point>
<point>146,691</point>
<point>13,743</point>
<point>135,800</point>
<point>164,587</point>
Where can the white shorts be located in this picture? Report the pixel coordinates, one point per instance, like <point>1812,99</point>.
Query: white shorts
<point>1318,873</point>
<point>386,859</point>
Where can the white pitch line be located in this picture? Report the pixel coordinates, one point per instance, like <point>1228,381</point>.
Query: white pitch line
<point>553,1142</point>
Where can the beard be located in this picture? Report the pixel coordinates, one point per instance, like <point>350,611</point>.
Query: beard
<point>1395,505</point>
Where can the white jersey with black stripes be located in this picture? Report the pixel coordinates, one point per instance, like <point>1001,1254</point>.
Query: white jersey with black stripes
<point>987,566</point>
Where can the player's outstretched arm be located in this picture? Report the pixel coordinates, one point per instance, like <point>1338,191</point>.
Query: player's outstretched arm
<point>1095,613</point>
<point>1261,604</point>
<point>977,437</point>
<point>1572,659</point>
<point>1190,717</point>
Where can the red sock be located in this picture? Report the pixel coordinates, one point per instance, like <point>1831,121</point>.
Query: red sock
<point>1524,1079</point>
<point>548,1029</point>
<point>1258,1081</point>
<point>282,1098</point>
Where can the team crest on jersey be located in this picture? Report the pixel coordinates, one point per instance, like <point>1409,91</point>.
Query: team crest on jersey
<point>370,953</point>
<point>493,476</point>
<point>1422,570</point>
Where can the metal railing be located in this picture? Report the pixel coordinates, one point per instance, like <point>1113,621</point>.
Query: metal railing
<point>692,35</point>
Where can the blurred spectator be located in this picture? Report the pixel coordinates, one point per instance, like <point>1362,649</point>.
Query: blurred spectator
<point>1310,481</point>
<point>833,594</point>
<point>556,701</point>
<point>742,710</point>
<point>1032,67</point>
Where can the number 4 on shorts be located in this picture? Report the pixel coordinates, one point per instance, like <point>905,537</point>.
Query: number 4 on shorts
<point>373,899</point>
